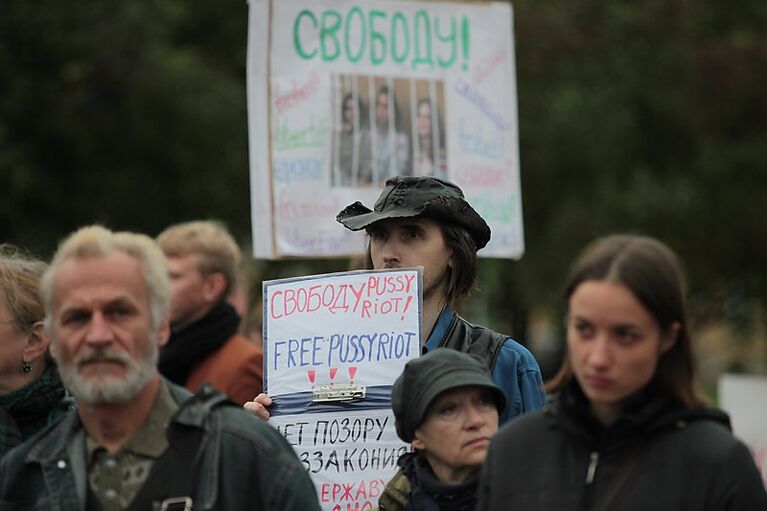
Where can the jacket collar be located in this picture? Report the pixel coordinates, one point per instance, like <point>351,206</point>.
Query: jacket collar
<point>645,413</point>
<point>440,328</point>
<point>54,444</point>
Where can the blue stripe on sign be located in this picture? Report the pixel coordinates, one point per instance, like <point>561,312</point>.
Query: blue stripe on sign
<point>301,402</point>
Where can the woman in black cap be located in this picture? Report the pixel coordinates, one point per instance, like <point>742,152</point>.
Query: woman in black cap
<point>446,405</point>
<point>628,429</point>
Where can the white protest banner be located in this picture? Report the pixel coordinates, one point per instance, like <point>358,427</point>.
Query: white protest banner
<point>743,398</point>
<point>343,94</point>
<point>333,346</point>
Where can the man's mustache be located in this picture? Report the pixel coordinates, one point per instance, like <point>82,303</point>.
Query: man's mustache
<point>102,355</point>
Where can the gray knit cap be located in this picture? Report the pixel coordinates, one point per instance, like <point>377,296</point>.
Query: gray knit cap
<point>426,377</point>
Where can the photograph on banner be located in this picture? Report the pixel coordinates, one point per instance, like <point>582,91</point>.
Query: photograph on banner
<point>343,95</point>
<point>333,346</point>
<point>387,128</point>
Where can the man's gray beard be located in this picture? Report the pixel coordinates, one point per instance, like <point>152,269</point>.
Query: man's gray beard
<point>111,390</point>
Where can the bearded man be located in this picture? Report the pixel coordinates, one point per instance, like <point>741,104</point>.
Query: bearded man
<point>137,441</point>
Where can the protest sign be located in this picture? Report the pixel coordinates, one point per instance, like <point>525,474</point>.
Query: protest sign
<point>350,456</point>
<point>343,95</point>
<point>743,398</point>
<point>333,346</point>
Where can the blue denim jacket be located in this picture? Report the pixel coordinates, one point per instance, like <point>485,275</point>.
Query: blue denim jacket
<point>245,463</point>
<point>515,371</point>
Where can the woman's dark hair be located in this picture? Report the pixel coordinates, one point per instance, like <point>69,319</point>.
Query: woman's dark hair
<point>440,133</point>
<point>360,108</point>
<point>652,272</point>
<point>396,120</point>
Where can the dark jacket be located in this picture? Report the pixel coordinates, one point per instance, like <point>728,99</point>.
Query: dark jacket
<point>562,458</point>
<point>241,462</point>
<point>513,367</point>
<point>396,493</point>
<point>415,487</point>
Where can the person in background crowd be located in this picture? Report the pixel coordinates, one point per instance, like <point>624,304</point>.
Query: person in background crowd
<point>204,345</point>
<point>627,429</point>
<point>31,393</point>
<point>431,159</point>
<point>425,221</point>
<point>392,149</point>
<point>354,153</point>
<point>137,441</point>
<point>446,405</point>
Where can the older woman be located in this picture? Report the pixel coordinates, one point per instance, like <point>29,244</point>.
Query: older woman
<point>627,430</point>
<point>31,393</point>
<point>446,405</point>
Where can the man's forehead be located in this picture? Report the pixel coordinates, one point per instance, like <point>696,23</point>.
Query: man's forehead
<point>118,272</point>
<point>185,258</point>
<point>402,222</point>
<point>187,264</point>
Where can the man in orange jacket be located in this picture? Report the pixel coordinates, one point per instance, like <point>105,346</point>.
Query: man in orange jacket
<point>204,345</point>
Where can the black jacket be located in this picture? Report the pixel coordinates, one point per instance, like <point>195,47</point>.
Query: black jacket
<point>239,462</point>
<point>562,458</point>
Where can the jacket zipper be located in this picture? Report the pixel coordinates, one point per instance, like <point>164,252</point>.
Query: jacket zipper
<point>592,467</point>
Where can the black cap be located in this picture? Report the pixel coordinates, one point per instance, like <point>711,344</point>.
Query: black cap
<point>426,377</point>
<point>428,197</point>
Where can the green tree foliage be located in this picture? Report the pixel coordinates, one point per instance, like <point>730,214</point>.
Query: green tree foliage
<point>130,114</point>
<point>645,117</point>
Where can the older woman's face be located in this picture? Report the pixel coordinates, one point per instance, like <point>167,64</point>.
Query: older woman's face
<point>614,344</point>
<point>456,432</point>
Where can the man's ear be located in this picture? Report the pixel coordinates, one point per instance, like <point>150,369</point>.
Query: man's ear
<point>37,343</point>
<point>163,333</point>
<point>214,287</point>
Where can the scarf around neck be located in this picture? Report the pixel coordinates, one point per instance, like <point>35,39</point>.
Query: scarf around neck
<point>29,409</point>
<point>187,348</point>
<point>427,493</point>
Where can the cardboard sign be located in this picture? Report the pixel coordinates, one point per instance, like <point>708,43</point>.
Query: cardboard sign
<point>350,456</point>
<point>343,95</point>
<point>333,346</point>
